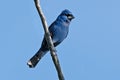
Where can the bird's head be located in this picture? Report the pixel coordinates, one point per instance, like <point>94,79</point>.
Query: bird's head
<point>67,14</point>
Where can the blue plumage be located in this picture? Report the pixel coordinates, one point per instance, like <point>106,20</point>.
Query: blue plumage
<point>58,30</point>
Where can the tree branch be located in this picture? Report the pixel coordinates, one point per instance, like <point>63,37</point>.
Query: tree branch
<point>49,41</point>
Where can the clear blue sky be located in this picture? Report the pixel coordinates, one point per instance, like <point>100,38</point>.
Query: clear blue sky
<point>90,52</point>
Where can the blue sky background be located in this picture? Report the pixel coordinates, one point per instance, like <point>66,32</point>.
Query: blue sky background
<point>90,52</point>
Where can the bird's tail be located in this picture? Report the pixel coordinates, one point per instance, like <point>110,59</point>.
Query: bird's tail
<point>36,58</point>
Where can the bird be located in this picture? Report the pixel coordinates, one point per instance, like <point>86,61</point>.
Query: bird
<point>58,30</point>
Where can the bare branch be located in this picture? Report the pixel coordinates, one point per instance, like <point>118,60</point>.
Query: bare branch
<point>49,41</point>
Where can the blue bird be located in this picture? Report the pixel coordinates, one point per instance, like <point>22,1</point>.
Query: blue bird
<point>58,30</point>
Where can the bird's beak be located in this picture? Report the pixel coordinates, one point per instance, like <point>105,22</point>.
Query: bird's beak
<point>70,17</point>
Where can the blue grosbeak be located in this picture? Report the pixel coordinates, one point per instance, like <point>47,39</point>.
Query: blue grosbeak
<point>58,30</point>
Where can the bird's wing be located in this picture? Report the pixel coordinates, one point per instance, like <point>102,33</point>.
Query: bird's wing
<point>52,30</point>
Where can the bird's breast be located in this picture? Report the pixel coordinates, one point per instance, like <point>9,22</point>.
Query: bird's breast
<point>60,34</point>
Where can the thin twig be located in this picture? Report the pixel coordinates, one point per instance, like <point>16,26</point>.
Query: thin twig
<point>49,41</point>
